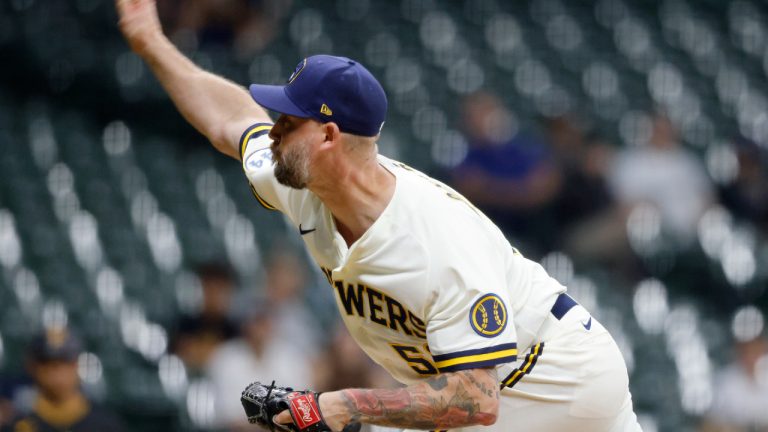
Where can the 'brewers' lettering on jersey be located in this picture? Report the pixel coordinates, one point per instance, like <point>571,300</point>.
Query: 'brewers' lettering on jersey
<point>382,309</point>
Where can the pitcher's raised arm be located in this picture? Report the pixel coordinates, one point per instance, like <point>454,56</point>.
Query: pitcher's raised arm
<point>218,108</point>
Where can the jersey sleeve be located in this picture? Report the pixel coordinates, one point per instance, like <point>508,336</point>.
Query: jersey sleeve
<point>469,324</point>
<point>256,158</point>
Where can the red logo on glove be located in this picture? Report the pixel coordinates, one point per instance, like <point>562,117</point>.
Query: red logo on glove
<point>305,411</point>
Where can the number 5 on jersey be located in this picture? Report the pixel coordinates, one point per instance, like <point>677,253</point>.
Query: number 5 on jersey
<point>415,359</point>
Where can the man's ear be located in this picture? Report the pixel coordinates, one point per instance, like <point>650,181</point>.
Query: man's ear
<point>332,132</point>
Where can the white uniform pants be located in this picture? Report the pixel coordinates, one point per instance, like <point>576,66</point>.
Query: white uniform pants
<point>577,383</point>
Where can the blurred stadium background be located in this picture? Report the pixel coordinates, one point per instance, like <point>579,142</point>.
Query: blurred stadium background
<point>109,201</point>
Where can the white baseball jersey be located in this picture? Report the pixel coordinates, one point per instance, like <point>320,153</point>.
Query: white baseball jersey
<point>432,286</point>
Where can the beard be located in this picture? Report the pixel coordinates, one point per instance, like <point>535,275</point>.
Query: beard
<point>292,166</point>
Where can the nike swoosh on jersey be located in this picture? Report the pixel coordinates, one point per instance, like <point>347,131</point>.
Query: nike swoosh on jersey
<point>307,231</point>
<point>588,324</point>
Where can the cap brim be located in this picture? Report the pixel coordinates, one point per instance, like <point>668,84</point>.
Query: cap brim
<point>273,98</point>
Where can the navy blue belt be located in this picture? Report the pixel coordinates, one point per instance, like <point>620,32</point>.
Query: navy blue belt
<point>562,305</point>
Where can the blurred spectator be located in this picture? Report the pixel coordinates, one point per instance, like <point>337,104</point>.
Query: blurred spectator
<point>583,162</point>
<point>741,396</point>
<point>7,411</point>
<point>508,174</point>
<point>259,355</point>
<point>666,175</point>
<point>286,282</point>
<point>197,336</point>
<point>344,365</point>
<point>58,403</point>
<point>591,226</point>
<point>245,25</point>
<point>13,387</point>
<point>747,196</point>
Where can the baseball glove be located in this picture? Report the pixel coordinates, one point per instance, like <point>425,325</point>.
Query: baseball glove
<point>263,402</point>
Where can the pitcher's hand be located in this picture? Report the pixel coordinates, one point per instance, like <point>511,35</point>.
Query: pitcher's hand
<point>139,22</point>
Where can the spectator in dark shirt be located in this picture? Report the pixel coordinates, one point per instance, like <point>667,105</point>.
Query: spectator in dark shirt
<point>748,194</point>
<point>9,384</point>
<point>591,226</point>
<point>59,403</point>
<point>198,335</point>
<point>508,174</point>
<point>583,160</point>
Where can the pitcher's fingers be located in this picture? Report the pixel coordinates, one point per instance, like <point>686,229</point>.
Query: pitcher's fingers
<point>284,417</point>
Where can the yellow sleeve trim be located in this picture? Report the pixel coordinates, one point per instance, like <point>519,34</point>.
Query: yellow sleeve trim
<point>477,358</point>
<point>249,133</point>
<point>530,361</point>
<point>261,200</point>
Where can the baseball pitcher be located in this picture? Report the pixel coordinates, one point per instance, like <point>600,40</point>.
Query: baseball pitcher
<point>481,337</point>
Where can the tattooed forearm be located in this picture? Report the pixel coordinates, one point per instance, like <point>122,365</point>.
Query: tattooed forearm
<point>445,401</point>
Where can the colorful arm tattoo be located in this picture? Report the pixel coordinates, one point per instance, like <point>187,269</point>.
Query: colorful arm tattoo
<point>445,401</point>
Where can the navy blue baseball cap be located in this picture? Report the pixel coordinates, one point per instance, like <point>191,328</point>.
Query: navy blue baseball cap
<point>329,89</point>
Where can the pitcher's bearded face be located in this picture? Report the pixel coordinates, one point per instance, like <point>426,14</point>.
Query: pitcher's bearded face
<point>292,164</point>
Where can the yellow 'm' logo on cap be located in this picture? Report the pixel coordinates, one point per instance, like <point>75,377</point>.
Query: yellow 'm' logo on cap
<point>325,110</point>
